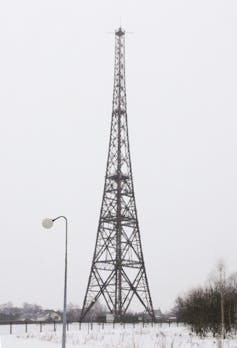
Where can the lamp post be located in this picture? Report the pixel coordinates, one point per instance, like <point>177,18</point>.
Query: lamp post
<point>48,223</point>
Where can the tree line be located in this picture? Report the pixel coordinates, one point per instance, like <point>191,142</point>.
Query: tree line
<point>212,308</point>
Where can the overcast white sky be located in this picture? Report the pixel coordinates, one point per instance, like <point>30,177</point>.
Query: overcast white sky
<point>56,77</point>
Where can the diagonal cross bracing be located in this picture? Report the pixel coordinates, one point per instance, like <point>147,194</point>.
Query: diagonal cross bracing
<point>118,271</point>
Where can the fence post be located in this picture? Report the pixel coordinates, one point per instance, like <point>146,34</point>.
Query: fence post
<point>26,329</point>
<point>103,325</point>
<point>54,326</point>
<point>79,325</point>
<point>10,328</point>
<point>67,325</point>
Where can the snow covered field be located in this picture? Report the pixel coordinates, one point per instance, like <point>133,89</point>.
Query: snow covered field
<point>118,337</point>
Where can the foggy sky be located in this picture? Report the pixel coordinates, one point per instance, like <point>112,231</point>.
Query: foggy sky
<point>56,68</point>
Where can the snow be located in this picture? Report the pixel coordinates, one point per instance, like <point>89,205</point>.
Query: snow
<point>118,337</point>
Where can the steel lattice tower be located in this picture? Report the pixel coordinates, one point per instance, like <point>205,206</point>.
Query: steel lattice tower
<point>118,271</point>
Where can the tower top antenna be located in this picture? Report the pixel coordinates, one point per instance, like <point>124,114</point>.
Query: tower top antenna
<point>119,32</point>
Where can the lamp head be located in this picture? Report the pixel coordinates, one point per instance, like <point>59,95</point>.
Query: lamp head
<point>47,223</point>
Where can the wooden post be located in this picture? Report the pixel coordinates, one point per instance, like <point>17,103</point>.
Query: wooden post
<point>26,329</point>
<point>10,328</point>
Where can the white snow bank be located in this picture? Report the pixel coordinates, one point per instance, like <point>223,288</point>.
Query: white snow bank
<point>119,337</point>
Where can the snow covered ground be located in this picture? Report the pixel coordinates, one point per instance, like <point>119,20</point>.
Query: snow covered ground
<point>118,337</point>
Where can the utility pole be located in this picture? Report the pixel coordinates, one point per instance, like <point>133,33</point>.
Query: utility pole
<point>222,290</point>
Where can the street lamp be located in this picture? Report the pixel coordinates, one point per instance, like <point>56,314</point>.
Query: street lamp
<point>48,223</point>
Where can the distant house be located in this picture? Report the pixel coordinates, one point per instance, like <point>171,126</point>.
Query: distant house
<point>109,318</point>
<point>49,315</point>
<point>158,314</point>
<point>105,318</point>
<point>146,317</point>
<point>27,313</point>
<point>170,316</point>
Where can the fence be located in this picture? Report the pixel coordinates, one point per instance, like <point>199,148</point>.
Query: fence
<point>20,327</point>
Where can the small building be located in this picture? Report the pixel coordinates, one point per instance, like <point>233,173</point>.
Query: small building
<point>49,315</point>
<point>109,318</point>
<point>158,314</point>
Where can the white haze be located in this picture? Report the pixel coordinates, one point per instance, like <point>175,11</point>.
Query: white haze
<point>56,68</point>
